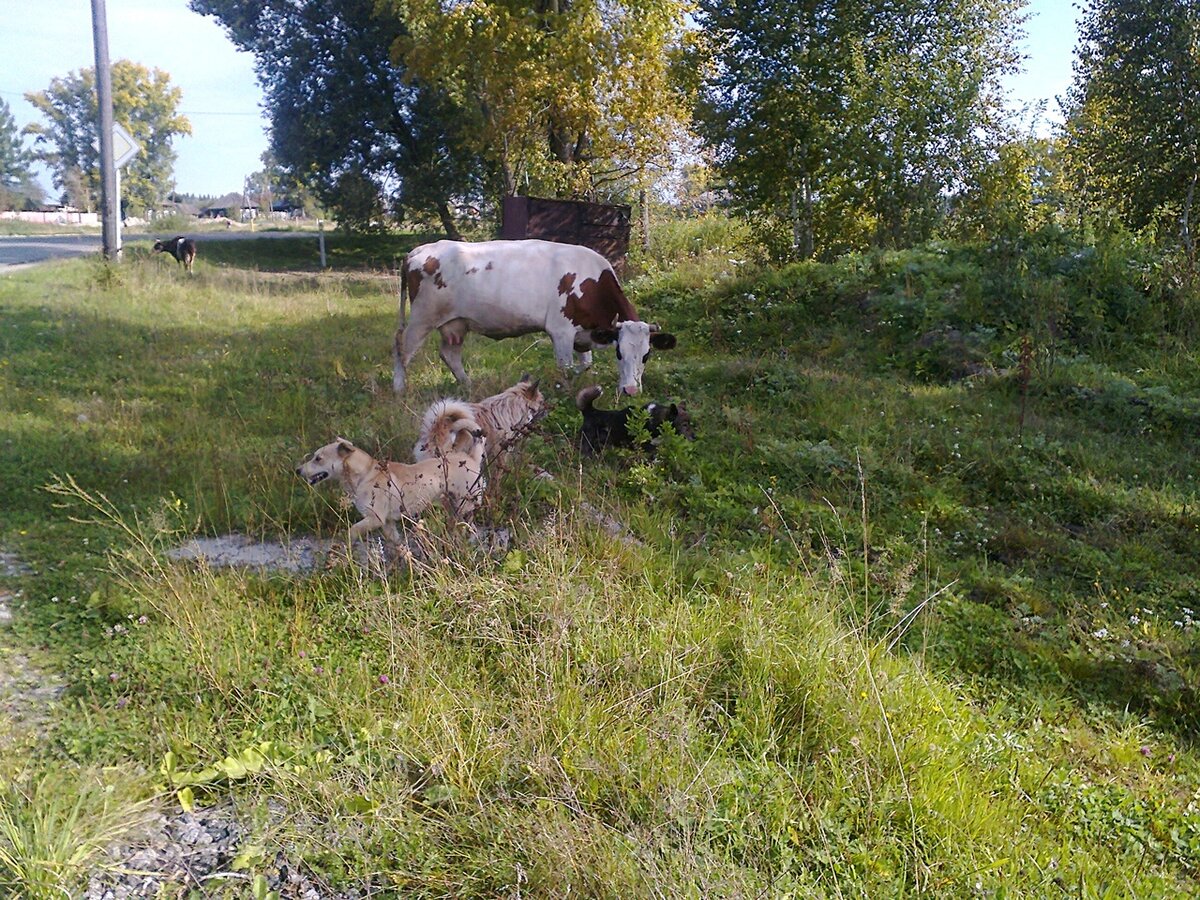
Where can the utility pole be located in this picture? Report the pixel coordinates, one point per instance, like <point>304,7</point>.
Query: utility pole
<point>110,197</point>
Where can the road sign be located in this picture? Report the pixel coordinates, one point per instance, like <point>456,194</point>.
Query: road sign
<point>125,148</point>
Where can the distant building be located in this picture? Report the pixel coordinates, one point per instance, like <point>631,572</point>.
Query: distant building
<point>286,209</point>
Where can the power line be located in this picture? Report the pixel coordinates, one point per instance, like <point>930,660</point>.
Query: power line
<point>186,112</point>
<point>206,112</point>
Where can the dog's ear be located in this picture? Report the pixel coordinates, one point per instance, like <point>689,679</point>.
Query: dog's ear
<point>661,340</point>
<point>524,378</point>
<point>344,447</point>
<point>603,335</point>
<point>674,411</point>
<point>531,389</point>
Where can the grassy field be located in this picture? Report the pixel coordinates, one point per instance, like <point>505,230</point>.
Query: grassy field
<point>914,614</point>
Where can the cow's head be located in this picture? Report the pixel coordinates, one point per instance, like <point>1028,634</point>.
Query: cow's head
<point>633,341</point>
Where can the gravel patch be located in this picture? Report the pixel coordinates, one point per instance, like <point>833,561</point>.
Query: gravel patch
<point>12,566</point>
<point>194,851</point>
<point>240,551</point>
<point>303,555</point>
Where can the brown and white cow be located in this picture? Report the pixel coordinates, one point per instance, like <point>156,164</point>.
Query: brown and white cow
<point>508,288</point>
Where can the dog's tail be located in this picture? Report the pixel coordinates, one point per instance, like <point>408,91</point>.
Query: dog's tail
<point>586,397</point>
<point>448,426</point>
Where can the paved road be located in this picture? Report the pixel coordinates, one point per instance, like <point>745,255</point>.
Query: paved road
<point>18,251</point>
<point>25,250</point>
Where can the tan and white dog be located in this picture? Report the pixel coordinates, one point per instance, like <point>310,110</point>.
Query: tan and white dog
<point>386,492</point>
<point>505,418</point>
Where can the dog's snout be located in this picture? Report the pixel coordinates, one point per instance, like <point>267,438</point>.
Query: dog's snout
<point>298,472</point>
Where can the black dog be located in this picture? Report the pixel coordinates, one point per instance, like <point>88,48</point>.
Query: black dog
<point>183,249</point>
<point>610,428</point>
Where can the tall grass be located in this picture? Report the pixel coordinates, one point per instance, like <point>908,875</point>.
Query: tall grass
<point>54,829</point>
<point>865,637</point>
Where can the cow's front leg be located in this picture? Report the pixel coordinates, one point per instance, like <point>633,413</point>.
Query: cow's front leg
<point>564,348</point>
<point>583,360</point>
<point>453,334</point>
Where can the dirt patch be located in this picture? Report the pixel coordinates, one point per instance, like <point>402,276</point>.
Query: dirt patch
<point>7,599</point>
<point>27,696</point>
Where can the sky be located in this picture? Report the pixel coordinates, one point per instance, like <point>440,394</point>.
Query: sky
<point>44,39</point>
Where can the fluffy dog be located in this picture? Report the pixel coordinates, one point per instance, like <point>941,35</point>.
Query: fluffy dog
<point>505,418</point>
<point>183,249</point>
<point>610,427</point>
<point>386,493</point>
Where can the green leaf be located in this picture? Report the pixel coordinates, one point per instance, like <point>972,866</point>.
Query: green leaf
<point>514,562</point>
<point>232,767</point>
<point>249,856</point>
<point>360,804</point>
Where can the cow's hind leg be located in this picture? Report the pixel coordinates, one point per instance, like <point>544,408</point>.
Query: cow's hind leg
<point>453,334</point>
<point>407,342</point>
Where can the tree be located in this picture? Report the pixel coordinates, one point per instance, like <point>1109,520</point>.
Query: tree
<point>16,176</point>
<point>144,103</point>
<point>771,106</point>
<point>567,97</point>
<point>843,122</point>
<point>1132,131</point>
<point>342,113</point>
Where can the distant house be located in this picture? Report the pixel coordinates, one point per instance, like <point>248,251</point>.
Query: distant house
<point>174,208</point>
<point>239,212</point>
<point>231,206</point>
<point>286,209</point>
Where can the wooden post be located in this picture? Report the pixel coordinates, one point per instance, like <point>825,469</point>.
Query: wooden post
<point>321,239</point>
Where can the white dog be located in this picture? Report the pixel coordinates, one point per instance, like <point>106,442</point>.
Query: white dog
<point>505,418</point>
<point>386,492</point>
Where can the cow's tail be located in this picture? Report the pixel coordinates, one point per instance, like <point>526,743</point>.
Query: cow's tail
<point>404,292</point>
<point>586,397</point>
<point>398,374</point>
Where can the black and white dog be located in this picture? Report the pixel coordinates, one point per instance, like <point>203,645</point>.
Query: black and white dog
<point>610,427</point>
<point>182,248</point>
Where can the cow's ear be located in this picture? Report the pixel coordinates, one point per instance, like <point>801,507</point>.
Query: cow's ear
<point>603,335</point>
<point>660,340</point>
